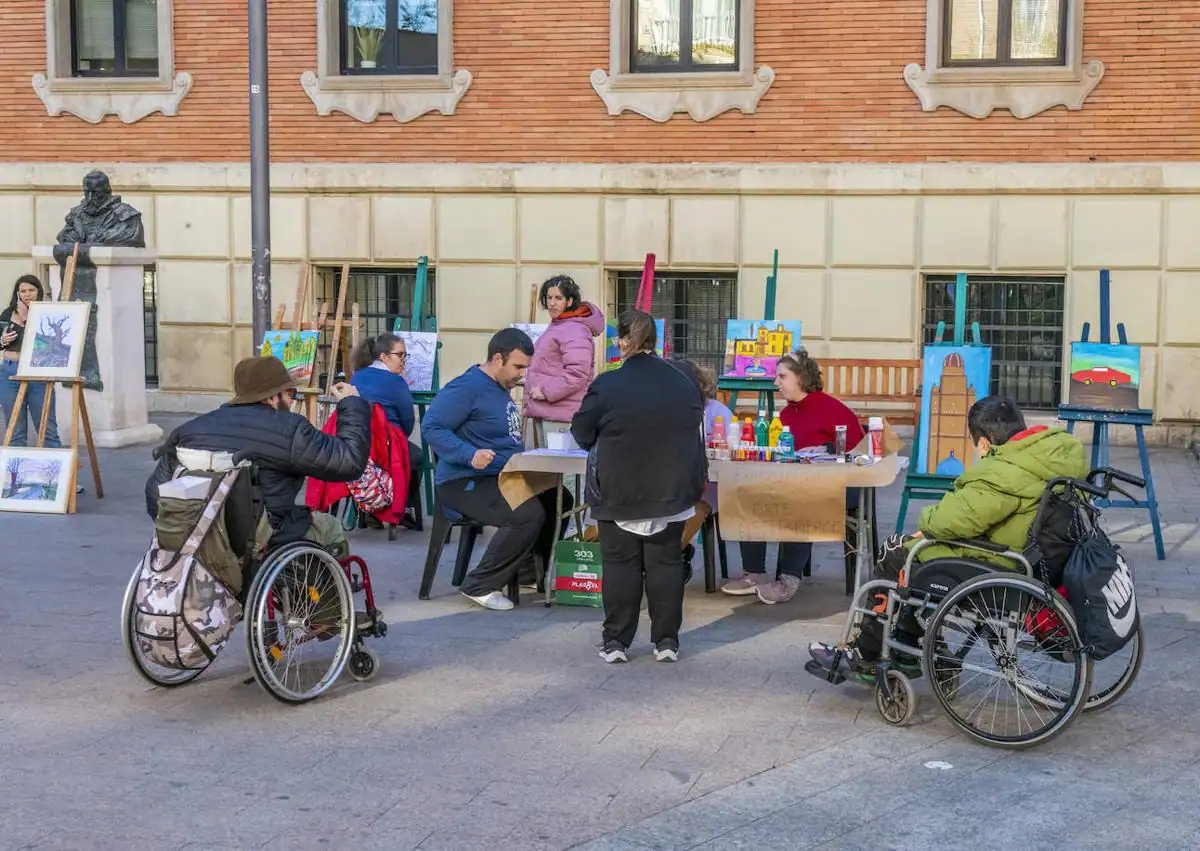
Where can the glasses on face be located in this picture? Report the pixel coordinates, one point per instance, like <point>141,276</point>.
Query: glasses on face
<point>400,356</point>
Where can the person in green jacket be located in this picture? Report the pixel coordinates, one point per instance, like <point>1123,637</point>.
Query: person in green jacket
<point>995,500</point>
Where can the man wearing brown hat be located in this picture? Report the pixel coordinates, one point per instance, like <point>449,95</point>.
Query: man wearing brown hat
<point>257,424</point>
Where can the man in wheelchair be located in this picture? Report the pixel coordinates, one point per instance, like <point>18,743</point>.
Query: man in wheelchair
<point>257,425</point>
<point>994,500</point>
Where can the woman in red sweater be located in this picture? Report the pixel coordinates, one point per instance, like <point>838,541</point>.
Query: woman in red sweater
<point>811,415</point>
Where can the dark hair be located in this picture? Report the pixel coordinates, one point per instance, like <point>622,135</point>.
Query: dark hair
<point>637,327</point>
<point>566,285</point>
<point>806,369</point>
<point>27,279</point>
<point>705,378</point>
<point>371,350</point>
<point>997,418</point>
<point>508,340</point>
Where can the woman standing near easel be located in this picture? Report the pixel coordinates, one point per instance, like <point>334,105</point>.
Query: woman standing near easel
<point>27,290</point>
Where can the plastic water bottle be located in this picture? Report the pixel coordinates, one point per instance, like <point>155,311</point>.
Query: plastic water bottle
<point>762,429</point>
<point>786,447</point>
<point>718,442</point>
<point>775,430</point>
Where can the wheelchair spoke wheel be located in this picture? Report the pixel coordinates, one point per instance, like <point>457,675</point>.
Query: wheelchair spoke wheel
<point>300,629</point>
<point>151,671</point>
<point>1003,657</point>
<point>1112,676</point>
<point>896,701</point>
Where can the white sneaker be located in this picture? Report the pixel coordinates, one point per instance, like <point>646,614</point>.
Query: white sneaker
<point>666,654</point>
<point>613,653</point>
<point>496,601</point>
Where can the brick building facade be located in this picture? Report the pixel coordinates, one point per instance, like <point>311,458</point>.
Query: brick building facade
<point>880,146</point>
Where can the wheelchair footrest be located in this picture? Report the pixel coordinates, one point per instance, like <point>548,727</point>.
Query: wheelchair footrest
<point>370,624</point>
<point>817,670</point>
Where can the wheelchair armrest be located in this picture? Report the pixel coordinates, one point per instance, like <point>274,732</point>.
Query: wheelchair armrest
<point>979,545</point>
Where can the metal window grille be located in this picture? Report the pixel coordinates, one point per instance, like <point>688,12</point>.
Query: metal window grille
<point>1021,318</point>
<point>695,307</point>
<point>382,295</point>
<point>150,323</point>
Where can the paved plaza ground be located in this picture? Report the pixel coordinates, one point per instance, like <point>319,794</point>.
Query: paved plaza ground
<point>505,730</point>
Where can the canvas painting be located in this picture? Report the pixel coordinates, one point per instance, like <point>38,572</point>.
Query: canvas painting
<point>1105,376</point>
<point>54,334</point>
<point>36,480</point>
<point>422,353</point>
<point>612,353</point>
<point>297,350</point>
<point>533,329</point>
<point>953,378</point>
<point>753,347</point>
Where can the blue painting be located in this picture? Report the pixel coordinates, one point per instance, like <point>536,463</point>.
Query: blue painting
<point>952,379</point>
<point>1105,376</point>
<point>753,347</point>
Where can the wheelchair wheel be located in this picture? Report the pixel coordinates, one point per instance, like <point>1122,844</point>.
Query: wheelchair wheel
<point>896,701</point>
<point>1001,676</point>
<point>151,671</point>
<point>299,623</point>
<point>1113,676</point>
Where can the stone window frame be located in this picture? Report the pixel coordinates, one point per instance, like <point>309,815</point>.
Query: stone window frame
<point>92,98</point>
<point>659,95</point>
<point>365,97</point>
<point>1024,90</point>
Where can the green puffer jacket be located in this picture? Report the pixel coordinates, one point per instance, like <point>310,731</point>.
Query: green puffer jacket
<point>997,498</point>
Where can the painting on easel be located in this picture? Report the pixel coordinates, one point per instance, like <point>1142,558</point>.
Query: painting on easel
<point>954,378</point>
<point>297,350</point>
<point>753,347</point>
<point>612,352</point>
<point>1105,376</point>
<point>533,329</point>
<point>36,480</point>
<point>422,354</point>
<point>55,348</point>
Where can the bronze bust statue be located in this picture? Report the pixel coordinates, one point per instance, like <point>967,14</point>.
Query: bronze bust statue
<point>102,219</point>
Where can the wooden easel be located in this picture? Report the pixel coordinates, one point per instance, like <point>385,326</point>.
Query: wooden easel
<point>79,412</point>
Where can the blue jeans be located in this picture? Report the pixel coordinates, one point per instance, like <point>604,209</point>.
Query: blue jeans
<point>30,410</point>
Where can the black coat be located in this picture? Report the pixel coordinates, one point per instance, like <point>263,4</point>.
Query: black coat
<point>284,448</point>
<point>642,425</point>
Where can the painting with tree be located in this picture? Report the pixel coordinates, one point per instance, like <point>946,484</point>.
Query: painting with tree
<point>53,347</point>
<point>36,480</point>
<point>297,350</point>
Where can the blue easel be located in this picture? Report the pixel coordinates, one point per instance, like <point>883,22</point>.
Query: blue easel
<point>766,394</point>
<point>930,486</point>
<point>1101,419</point>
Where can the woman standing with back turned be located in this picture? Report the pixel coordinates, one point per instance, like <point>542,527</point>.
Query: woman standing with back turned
<point>646,471</point>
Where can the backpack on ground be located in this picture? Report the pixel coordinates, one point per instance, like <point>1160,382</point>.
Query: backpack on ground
<point>183,613</point>
<point>1099,587</point>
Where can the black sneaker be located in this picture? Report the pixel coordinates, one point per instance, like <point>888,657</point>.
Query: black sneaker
<point>613,653</point>
<point>666,651</point>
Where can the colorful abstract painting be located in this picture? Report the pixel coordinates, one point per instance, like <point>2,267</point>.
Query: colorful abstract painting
<point>753,347</point>
<point>952,379</point>
<point>297,350</point>
<point>612,353</point>
<point>1105,376</point>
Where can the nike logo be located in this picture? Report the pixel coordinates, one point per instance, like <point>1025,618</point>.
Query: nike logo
<point>1118,593</point>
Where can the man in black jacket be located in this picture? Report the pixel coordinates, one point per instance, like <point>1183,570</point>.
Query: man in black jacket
<point>257,424</point>
<point>646,472</point>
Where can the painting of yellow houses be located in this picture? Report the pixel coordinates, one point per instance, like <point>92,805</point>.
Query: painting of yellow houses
<point>753,347</point>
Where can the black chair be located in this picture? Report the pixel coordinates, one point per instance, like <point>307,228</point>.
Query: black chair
<point>445,521</point>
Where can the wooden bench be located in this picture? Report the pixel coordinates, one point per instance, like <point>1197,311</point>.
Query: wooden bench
<point>876,388</point>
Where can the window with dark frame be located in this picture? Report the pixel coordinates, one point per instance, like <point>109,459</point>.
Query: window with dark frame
<point>150,323</point>
<point>1021,318</point>
<point>382,296</point>
<point>389,36</point>
<point>694,305</point>
<point>677,36</point>
<point>1004,32</point>
<point>114,38</point>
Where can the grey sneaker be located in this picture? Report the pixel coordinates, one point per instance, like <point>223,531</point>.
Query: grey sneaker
<point>779,591</point>
<point>496,601</point>
<point>744,585</point>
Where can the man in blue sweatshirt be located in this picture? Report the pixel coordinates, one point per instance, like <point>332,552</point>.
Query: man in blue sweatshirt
<point>474,427</point>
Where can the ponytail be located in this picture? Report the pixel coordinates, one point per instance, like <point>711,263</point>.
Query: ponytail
<point>370,350</point>
<point>637,327</point>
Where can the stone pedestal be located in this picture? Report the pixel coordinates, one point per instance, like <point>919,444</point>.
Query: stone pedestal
<point>118,413</point>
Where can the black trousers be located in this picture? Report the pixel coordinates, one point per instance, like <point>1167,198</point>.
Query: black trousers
<point>888,564</point>
<point>633,564</point>
<point>520,533</point>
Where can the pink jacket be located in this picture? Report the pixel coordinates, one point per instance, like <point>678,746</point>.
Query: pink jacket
<point>564,363</point>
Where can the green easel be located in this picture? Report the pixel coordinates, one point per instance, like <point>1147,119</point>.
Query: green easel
<point>929,486</point>
<point>766,395</point>
<point>423,398</point>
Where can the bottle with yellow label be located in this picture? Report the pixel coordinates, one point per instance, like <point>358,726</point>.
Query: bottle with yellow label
<point>774,431</point>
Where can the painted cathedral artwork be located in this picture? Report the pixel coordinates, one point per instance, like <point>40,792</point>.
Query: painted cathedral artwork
<point>753,347</point>
<point>953,377</point>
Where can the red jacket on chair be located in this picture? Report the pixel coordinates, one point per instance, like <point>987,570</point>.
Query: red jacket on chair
<point>389,449</point>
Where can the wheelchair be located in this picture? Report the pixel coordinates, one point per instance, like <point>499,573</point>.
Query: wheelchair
<point>1000,647</point>
<point>303,626</point>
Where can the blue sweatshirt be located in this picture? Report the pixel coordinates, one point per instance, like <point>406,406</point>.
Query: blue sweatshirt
<point>471,412</point>
<point>389,391</point>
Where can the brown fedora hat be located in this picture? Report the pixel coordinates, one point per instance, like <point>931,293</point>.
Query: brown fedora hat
<point>257,379</point>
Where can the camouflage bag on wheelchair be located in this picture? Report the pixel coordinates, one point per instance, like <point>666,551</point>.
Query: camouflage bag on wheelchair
<point>184,613</point>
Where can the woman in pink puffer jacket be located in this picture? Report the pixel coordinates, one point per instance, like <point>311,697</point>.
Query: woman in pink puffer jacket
<point>564,358</point>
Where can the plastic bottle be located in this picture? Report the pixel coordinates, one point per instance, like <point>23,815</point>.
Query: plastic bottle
<point>718,442</point>
<point>762,429</point>
<point>748,439</point>
<point>774,431</point>
<point>786,446</point>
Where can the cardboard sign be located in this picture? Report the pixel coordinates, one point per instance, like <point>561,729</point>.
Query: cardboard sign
<point>578,574</point>
<point>761,502</point>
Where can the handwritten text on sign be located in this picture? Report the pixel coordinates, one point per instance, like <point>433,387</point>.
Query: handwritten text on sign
<point>759,502</point>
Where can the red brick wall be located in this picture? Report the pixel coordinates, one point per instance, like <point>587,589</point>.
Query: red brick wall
<point>839,94</point>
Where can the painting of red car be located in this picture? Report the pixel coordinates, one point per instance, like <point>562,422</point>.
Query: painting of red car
<point>1102,375</point>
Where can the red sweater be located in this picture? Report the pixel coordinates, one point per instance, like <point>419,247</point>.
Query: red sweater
<point>813,419</point>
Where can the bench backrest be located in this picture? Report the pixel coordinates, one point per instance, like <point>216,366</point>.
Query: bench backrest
<point>875,381</point>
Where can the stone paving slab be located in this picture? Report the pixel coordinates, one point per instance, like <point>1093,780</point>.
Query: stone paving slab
<point>504,730</point>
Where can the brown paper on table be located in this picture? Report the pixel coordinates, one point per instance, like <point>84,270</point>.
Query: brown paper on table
<point>517,487</point>
<point>759,501</point>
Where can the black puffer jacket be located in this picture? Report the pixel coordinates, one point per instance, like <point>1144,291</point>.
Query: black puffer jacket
<point>284,447</point>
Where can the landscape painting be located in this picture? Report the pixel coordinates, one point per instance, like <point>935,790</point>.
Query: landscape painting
<point>422,354</point>
<point>612,353</point>
<point>1105,376</point>
<point>297,350</point>
<point>953,377</point>
<point>36,480</point>
<point>53,345</point>
<point>753,347</point>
